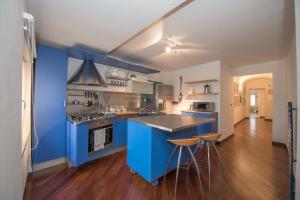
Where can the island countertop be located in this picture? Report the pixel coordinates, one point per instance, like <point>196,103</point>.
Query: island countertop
<point>171,122</point>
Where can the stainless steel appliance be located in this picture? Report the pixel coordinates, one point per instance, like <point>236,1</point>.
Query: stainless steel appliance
<point>204,106</point>
<point>81,118</point>
<point>162,93</point>
<point>100,134</point>
<point>87,75</point>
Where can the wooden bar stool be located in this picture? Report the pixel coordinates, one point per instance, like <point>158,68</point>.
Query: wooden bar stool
<point>186,142</point>
<point>209,140</point>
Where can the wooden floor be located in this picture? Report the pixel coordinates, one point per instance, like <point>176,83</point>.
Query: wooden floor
<point>254,169</point>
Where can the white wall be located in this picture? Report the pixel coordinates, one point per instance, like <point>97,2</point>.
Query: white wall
<point>26,111</point>
<point>226,101</point>
<point>11,36</point>
<point>223,101</point>
<point>279,93</point>
<point>239,113</point>
<point>297,36</point>
<point>291,64</point>
<point>199,72</point>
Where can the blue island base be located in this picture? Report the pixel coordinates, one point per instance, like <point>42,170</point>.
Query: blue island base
<point>148,149</point>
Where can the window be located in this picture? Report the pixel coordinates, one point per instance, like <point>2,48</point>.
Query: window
<point>252,100</point>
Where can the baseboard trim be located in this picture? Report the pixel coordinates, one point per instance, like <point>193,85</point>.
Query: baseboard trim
<point>47,164</point>
<point>279,144</point>
<point>226,138</point>
<point>239,121</point>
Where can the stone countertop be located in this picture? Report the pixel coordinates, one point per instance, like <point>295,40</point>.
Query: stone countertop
<point>134,113</point>
<point>171,122</point>
<point>126,113</point>
<point>202,112</point>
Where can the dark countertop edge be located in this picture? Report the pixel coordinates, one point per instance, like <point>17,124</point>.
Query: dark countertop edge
<point>168,129</point>
<point>202,112</point>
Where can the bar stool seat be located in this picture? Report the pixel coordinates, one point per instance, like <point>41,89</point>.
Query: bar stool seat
<point>184,143</point>
<point>209,136</point>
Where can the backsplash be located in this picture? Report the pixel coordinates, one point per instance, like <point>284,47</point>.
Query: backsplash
<point>83,101</point>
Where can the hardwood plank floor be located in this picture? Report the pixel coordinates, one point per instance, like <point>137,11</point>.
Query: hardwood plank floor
<point>254,169</point>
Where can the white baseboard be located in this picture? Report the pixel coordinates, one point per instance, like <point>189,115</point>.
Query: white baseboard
<point>50,163</point>
<point>225,137</point>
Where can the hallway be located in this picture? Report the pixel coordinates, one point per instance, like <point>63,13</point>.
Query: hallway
<point>254,169</point>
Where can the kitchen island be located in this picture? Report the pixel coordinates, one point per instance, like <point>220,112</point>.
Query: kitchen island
<point>148,149</point>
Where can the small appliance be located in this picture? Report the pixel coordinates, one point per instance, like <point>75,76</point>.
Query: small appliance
<point>203,106</point>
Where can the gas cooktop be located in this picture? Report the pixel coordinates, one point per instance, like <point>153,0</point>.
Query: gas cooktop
<point>90,117</point>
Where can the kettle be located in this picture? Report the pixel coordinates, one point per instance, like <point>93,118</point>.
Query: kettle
<point>206,88</point>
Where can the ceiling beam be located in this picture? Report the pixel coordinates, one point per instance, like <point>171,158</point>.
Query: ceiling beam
<point>180,6</point>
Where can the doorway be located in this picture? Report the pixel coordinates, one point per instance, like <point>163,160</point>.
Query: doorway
<point>253,107</point>
<point>253,97</point>
<point>256,102</point>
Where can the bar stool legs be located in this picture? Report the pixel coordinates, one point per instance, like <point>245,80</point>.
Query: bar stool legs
<point>208,144</point>
<point>177,171</point>
<point>208,161</point>
<point>219,157</point>
<point>172,154</point>
<point>198,171</point>
<point>181,143</point>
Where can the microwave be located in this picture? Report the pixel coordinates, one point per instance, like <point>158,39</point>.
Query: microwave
<point>204,106</point>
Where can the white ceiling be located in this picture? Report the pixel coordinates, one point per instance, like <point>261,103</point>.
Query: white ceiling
<point>234,31</point>
<point>99,24</point>
<point>243,79</point>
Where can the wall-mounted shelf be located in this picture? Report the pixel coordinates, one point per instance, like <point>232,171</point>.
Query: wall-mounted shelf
<point>202,81</point>
<point>112,92</point>
<point>116,81</point>
<point>203,94</point>
<point>118,78</point>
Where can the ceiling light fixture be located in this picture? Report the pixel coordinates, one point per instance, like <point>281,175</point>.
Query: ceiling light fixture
<point>168,49</point>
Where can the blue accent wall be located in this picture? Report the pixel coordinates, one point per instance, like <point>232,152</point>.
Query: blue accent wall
<point>49,95</point>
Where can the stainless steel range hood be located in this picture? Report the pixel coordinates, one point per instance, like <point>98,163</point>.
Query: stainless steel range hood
<point>87,75</point>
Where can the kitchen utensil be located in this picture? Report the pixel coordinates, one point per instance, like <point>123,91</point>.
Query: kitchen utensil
<point>180,94</point>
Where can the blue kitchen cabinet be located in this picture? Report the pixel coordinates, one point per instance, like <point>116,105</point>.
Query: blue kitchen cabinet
<point>148,149</point>
<point>78,145</point>
<point>120,131</point>
<point>213,127</point>
<point>50,89</point>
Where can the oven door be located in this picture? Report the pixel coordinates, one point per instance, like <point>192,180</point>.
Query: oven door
<point>100,138</point>
<point>108,135</point>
